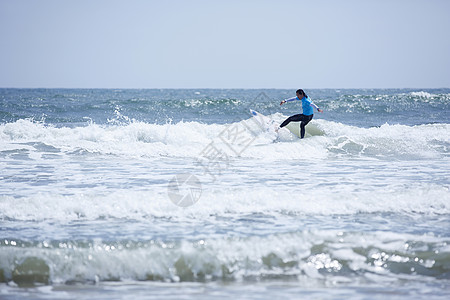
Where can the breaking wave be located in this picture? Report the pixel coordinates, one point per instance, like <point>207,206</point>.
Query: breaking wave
<point>188,139</point>
<point>330,256</point>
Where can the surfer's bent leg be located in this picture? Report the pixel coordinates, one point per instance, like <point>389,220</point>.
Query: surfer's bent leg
<point>304,122</point>
<point>294,118</point>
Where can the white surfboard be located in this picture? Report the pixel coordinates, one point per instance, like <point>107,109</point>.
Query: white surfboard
<point>264,122</point>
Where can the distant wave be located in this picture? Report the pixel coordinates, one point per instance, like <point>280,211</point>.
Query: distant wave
<point>75,107</point>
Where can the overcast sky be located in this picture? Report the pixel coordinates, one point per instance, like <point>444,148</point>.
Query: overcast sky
<point>225,44</point>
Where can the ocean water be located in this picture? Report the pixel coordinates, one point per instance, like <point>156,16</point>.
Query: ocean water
<point>179,194</point>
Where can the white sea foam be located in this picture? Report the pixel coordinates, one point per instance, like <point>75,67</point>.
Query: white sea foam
<point>341,167</point>
<point>146,204</point>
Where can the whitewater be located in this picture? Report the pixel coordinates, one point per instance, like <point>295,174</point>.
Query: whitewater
<point>359,208</point>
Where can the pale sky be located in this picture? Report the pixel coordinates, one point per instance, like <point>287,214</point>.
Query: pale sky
<point>225,44</point>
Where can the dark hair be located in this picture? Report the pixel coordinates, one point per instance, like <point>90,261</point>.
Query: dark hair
<point>301,92</point>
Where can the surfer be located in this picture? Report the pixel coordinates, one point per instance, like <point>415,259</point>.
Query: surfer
<point>307,114</point>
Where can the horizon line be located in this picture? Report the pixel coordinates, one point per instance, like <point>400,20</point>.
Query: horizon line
<point>226,88</point>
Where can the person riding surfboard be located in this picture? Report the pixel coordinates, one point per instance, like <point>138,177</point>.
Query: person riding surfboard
<point>306,116</point>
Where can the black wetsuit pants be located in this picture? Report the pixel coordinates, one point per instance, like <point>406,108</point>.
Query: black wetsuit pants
<point>298,118</point>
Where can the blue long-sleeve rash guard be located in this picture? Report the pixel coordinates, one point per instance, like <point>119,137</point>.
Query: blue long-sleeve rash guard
<point>307,105</point>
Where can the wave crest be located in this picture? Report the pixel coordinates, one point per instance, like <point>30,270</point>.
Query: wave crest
<point>188,139</point>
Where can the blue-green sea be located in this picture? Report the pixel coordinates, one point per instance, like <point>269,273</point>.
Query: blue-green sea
<point>180,194</point>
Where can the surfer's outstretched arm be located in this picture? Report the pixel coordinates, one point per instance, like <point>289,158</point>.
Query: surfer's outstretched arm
<point>316,107</point>
<point>289,100</point>
<point>297,98</point>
